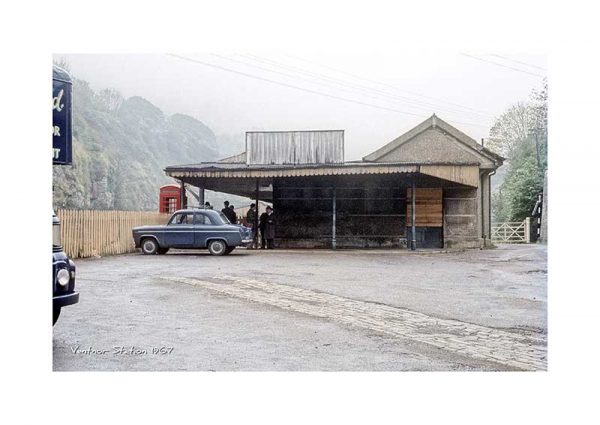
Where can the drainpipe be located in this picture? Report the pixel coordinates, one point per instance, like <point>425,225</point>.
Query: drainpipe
<point>490,204</point>
<point>481,206</point>
<point>413,216</point>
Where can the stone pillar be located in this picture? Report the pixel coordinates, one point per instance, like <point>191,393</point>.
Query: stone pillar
<point>527,229</point>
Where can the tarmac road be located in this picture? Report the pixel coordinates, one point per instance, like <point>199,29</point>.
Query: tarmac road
<point>313,310</point>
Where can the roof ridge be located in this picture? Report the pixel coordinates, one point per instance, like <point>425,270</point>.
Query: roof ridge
<point>433,122</point>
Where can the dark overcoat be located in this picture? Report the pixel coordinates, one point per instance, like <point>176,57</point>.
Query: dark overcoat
<point>262,222</point>
<point>270,226</point>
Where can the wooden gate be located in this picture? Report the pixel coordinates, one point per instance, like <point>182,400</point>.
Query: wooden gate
<point>512,231</point>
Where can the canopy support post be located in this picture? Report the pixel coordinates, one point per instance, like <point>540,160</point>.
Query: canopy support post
<point>183,196</point>
<point>333,221</point>
<point>255,242</point>
<point>201,196</point>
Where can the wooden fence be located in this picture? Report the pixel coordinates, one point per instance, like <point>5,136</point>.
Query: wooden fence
<point>512,231</point>
<point>87,233</point>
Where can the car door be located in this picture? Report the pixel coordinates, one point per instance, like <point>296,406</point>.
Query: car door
<point>179,233</point>
<point>202,229</point>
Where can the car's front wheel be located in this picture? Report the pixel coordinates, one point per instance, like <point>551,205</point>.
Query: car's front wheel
<point>149,246</point>
<point>217,247</point>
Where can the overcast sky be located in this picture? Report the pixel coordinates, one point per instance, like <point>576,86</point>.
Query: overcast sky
<point>373,96</point>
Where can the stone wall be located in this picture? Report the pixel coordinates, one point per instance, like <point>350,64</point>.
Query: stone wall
<point>461,218</point>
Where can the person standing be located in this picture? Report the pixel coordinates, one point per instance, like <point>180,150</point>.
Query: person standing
<point>229,213</point>
<point>225,208</point>
<point>232,215</point>
<point>262,225</point>
<point>207,206</point>
<point>250,222</point>
<point>270,228</point>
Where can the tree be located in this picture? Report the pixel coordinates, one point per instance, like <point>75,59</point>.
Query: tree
<point>499,209</point>
<point>521,135</point>
<point>523,182</point>
<point>539,109</point>
<point>511,128</point>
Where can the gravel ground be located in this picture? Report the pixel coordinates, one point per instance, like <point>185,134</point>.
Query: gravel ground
<point>312,310</point>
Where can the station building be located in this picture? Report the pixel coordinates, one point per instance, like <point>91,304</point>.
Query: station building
<point>322,201</point>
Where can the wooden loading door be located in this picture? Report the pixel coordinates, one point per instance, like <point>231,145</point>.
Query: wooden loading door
<point>429,220</point>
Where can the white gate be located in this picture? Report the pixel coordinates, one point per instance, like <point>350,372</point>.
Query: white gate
<point>512,231</point>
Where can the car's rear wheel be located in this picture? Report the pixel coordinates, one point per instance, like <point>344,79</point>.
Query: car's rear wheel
<point>229,250</point>
<point>55,314</point>
<point>149,246</point>
<point>162,251</point>
<point>217,247</point>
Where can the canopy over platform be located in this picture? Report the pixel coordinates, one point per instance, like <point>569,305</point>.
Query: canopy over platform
<point>434,166</point>
<point>241,179</point>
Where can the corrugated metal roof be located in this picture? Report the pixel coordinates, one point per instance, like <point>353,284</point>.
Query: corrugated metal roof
<point>295,147</point>
<point>236,171</point>
<point>206,166</point>
<point>465,173</point>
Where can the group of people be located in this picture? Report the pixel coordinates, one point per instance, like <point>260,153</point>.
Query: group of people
<point>266,226</point>
<point>229,212</point>
<point>266,223</point>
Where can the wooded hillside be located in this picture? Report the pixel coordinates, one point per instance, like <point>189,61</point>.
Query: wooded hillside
<point>120,148</point>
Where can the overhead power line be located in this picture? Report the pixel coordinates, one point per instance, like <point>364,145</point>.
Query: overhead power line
<point>372,92</point>
<point>348,87</point>
<point>256,77</point>
<point>391,86</point>
<point>519,62</point>
<point>501,65</point>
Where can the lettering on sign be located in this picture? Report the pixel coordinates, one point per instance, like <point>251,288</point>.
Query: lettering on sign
<point>61,121</point>
<point>57,104</point>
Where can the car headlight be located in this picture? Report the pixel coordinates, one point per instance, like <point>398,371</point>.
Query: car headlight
<point>63,277</point>
<point>72,264</point>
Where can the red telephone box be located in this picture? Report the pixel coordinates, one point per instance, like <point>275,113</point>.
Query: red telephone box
<point>169,199</point>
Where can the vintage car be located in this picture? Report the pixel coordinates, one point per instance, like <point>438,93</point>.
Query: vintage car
<point>63,274</point>
<point>192,228</point>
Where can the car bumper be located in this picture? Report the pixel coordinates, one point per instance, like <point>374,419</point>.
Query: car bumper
<point>67,299</point>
